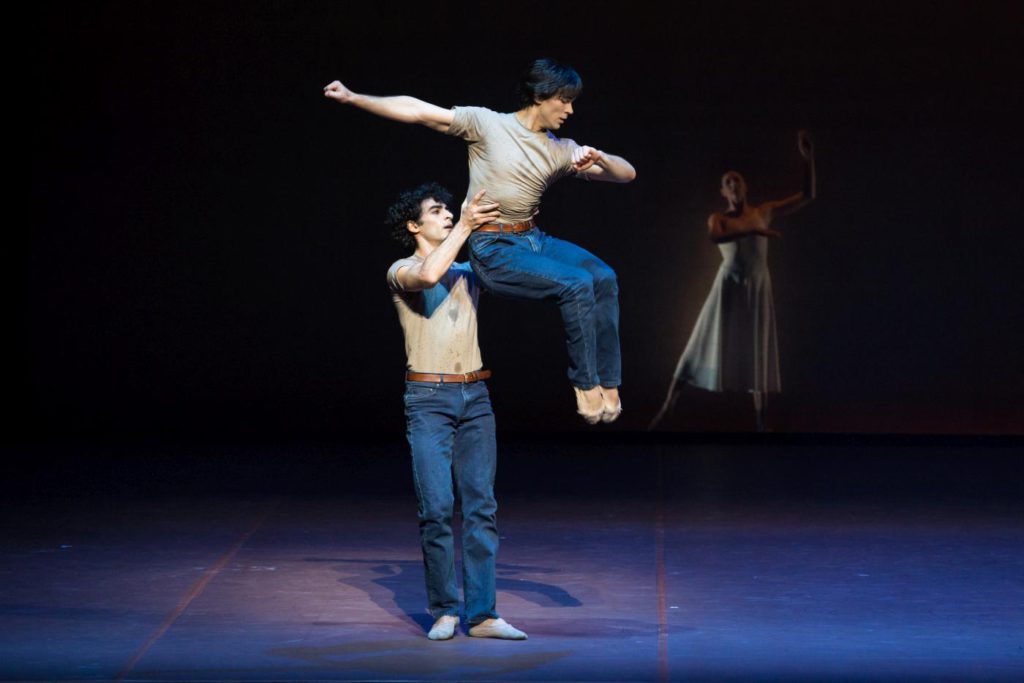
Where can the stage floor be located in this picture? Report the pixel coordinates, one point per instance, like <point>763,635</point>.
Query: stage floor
<point>625,559</point>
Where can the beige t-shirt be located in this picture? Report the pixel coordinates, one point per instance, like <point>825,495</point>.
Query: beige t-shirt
<point>439,323</point>
<point>513,163</point>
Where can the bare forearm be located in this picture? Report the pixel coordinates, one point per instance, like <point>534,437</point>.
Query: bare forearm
<point>438,261</point>
<point>732,234</point>
<point>795,202</point>
<point>722,230</point>
<point>720,235</point>
<point>810,180</point>
<point>476,213</point>
<point>616,169</point>
<point>806,147</point>
<point>397,108</point>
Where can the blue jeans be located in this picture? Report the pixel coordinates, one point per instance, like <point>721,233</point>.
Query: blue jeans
<point>534,265</point>
<point>450,428</point>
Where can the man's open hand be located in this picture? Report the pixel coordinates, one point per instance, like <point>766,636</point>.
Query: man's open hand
<point>477,213</point>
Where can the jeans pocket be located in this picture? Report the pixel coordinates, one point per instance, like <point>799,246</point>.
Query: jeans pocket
<point>418,392</point>
<point>484,241</point>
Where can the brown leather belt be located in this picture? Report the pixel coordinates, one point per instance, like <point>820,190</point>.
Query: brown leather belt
<point>447,378</point>
<point>502,227</point>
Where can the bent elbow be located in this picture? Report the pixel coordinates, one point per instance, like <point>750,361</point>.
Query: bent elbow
<point>428,280</point>
<point>626,174</point>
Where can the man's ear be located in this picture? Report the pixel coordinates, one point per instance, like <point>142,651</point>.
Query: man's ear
<point>412,226</point>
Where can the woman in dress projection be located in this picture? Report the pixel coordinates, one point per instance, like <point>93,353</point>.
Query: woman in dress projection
<point>733,345</point>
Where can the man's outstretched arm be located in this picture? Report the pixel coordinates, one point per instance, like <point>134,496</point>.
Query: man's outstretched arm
<point>598,165</point>
<point>398,108</point>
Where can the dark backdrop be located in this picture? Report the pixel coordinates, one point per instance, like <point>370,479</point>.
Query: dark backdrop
<point>206,252</point>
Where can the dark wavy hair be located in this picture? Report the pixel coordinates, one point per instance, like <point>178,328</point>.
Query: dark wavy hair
<point>408,207</point>
<point>546,78</point>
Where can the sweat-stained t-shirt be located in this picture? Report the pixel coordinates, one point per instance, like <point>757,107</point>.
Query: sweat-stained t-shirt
<point>513,163</point>
<point>439,323</point>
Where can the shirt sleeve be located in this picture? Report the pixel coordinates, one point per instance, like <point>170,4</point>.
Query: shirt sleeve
<point>393,282</point>
<point>468,122</point>
<point>566,147</point>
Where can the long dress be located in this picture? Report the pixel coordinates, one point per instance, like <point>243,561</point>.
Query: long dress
<point>733,345</point>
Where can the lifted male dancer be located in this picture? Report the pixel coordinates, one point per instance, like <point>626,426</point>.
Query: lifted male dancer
<point>516,156</point>
<point>449,421</point>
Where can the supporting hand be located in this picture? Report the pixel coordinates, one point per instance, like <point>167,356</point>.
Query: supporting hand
<point>476,214</point>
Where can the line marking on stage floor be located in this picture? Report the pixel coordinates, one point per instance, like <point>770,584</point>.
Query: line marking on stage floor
<point>659,559</point>
<point>195,591</point>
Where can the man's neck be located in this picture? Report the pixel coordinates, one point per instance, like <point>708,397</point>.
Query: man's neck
<point>528,117</point>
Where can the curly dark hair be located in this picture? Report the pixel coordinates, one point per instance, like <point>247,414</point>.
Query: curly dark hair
<point>408,207</point>
<point>546,78</point>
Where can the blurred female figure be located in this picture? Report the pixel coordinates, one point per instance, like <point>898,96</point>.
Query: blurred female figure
<point>733,345</point>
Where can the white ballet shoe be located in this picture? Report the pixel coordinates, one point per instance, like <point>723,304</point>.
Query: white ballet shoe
<point>443,628</point>
<point>610,410</point>
<point>587,407</point>
<point>496,628</point>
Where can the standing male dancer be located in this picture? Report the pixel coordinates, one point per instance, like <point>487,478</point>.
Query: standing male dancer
<point>516,156</point>
<point>449,421</point>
